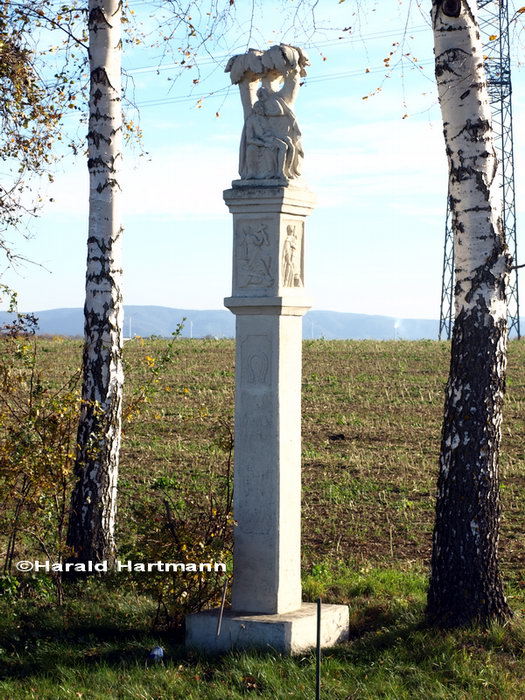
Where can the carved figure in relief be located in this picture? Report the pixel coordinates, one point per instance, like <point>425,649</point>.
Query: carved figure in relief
<point>291,260</point>
<point>271,139</point>
<point>254,260</point>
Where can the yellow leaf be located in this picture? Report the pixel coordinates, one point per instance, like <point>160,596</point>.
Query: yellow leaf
<point>520,11</point>
<point>493,37</point>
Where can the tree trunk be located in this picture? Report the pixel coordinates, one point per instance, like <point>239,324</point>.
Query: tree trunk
<point>465,585</point>
<point>93,505</point>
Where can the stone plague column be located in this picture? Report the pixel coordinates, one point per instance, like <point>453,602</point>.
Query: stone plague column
<point>269,206</point>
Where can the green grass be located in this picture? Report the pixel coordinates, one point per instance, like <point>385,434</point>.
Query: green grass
<point>368,505</point>
<point>95,648</point>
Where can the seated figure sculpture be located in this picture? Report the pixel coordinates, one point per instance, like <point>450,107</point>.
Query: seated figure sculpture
<point>270,144</point>
<point>271,139</point>
<point>262,153</point>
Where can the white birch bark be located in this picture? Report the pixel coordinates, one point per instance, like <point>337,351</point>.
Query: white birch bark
<point>93,510</point>
<point>475,202</point>
<point>465,585</point>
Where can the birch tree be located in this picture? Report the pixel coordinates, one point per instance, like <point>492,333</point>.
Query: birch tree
<point>465,584</point>
<point>93,505</point>
<point>94,499</point>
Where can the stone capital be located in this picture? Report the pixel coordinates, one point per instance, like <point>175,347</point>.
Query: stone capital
<point>273,306</point>
<point>247,198</point>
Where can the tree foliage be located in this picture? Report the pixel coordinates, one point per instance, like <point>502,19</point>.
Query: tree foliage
<point>35,95</point>
<point>43,79</point>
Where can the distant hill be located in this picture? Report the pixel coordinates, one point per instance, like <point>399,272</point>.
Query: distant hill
<point>220,323</point>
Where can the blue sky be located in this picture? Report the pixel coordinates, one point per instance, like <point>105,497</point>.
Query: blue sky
<point>374,243</point>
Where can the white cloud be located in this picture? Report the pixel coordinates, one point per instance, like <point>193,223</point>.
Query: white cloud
<point>382,161</point>
<point>178,183</point>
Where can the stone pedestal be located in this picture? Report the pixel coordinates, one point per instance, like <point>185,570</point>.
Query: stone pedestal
<point>289,633</point>
<point>269,301</point>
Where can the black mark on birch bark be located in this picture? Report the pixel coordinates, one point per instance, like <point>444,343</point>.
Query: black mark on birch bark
<point>451,8</point>
<point>99,76</point>
<point>108,183</point>
<point>98,116</point>
<point>96,137</point>
<point>97,19</point>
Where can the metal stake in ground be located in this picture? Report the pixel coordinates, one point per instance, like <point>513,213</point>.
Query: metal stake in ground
<point>318,654</point>
<point>221,611</point>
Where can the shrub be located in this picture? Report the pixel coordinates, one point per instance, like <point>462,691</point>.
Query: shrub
<point>174,525</point>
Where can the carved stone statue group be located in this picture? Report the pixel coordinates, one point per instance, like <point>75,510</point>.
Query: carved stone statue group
<point>271,139</point>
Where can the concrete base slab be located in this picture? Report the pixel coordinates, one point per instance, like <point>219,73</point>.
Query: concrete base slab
<point>287,633</point>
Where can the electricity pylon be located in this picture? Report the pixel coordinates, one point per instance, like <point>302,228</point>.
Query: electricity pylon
<point>493,18</point>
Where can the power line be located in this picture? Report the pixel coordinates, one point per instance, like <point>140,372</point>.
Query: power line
<point>218,58</point>
<point>225,91</point>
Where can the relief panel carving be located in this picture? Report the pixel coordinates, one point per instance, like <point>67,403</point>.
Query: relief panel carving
<point>253,256</point>
<point>292,257</point>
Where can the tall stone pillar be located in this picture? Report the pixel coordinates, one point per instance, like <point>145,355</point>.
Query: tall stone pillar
<point>269,206</point>
<point>268,300</point>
